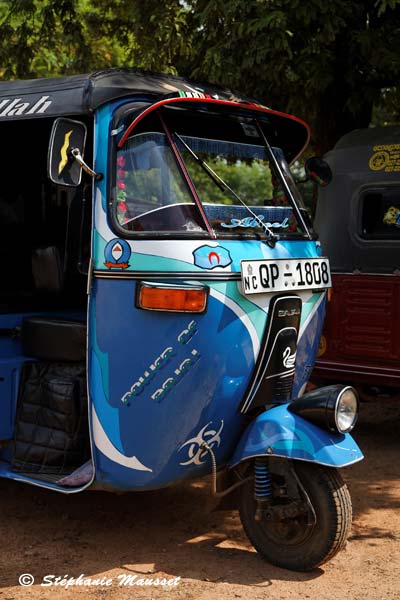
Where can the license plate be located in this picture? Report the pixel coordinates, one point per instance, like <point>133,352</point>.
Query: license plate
<point>282,275</point>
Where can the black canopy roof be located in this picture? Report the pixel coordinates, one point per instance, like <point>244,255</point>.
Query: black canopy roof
<point>83,94</point>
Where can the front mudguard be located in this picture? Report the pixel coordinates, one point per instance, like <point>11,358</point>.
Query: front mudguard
<point>278,432</point>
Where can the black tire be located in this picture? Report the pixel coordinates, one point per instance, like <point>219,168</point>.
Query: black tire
<point>292,543</point>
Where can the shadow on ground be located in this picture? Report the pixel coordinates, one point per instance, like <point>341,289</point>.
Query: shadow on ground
<point>174,531</point>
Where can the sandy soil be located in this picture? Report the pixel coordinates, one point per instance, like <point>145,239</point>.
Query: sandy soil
<point>178,533</point>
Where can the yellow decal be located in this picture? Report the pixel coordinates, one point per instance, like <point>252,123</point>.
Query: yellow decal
<point>63,152</point>
<point>392,216</point>
<point>385,158</point>
<point>322,346</point>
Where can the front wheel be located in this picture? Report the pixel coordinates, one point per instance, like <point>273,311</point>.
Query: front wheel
<point>294,542</point>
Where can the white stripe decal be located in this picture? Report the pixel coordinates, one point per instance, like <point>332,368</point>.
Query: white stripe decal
<point>310,316</point>
<point>242,316</point>
<point>106,447</point>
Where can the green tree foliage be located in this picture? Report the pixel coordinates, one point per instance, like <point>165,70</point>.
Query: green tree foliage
<point>42,38</point>
<point>154,35</point>
<point>328,62</point>
<point>250,181</point>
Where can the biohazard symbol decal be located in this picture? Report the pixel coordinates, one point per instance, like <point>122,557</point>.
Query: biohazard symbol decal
<point>197,453</point>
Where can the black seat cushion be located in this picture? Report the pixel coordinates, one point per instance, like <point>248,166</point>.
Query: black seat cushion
<point>51,430</point>
<point>54,339</point>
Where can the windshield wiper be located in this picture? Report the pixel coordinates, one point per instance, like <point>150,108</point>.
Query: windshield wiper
<point>272,237</point>
<point>286,187</point>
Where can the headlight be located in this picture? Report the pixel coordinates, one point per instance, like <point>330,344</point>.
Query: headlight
<point>346,412</point>
<point>334,407</point>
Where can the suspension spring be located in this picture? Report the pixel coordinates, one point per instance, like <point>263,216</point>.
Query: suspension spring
<point>262,479</point>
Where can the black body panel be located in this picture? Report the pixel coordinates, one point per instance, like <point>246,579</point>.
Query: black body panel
<point>274,372</point>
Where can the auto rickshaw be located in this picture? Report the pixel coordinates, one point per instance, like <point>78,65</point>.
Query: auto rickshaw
<point>358,220</point>
<point>162,299</point>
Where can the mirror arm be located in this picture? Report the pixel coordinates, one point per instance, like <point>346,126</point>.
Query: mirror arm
<point>76,153</point>
<point>84,201</point>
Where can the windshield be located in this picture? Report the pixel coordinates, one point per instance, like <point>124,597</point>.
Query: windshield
<point>249,173</point>
<point>205,174</point>
<point>151,192</point>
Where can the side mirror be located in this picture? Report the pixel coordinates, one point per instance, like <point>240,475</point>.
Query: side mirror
<point>318,170</point>
<point>67,138</point>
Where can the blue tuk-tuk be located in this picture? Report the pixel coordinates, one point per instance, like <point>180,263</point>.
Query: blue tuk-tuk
<point>162,300</point>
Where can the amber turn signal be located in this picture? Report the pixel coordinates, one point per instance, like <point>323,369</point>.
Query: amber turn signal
<point>172,298</point>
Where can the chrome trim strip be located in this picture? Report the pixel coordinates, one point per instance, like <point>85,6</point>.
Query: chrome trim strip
<point>149,275</point>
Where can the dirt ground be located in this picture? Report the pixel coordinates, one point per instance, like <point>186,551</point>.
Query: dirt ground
<point>177,533</point>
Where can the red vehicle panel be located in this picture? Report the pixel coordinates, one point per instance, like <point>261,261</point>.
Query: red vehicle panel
<point>362,331</point>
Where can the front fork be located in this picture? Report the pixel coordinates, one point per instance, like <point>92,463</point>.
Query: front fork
<point>297,501</point>
<point>262,486</point>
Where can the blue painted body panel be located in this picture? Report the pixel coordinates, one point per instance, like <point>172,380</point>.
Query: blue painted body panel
<point>11,360</point>
<point>278,432</point>
<point>9,374</point>
<point>152,420</point>
<point>313,314</point>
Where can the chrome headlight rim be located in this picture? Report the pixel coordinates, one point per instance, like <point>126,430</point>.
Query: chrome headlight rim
<point>337,426</point>
<point>320,406</point>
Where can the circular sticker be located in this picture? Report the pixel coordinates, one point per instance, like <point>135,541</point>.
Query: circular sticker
<point>378,161</point>
<point>117,254</point>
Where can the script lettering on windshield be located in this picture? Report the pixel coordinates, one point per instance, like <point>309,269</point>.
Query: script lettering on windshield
<point>255,222</point>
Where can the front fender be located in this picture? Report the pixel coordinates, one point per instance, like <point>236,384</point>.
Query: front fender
<point>278,432</point>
